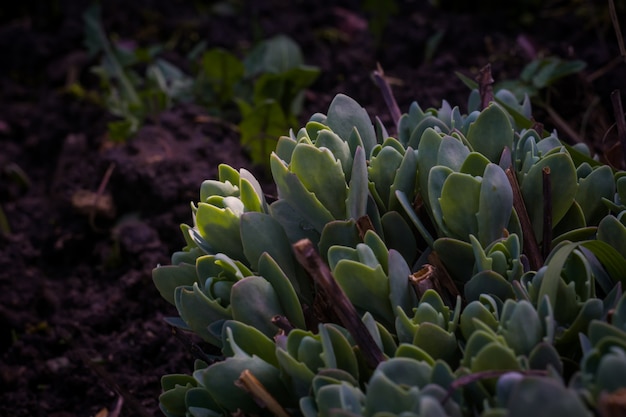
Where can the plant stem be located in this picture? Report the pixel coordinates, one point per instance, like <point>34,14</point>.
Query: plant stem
<point>385,89</point>
<point>363,224</point>
<point>618,110</point>
<point>618,31</point>
<point>531,248</point>
<point>547,212</point>
<point>261,395</point>
<point>337,301</point>
<point>435,276</point>
<point>282,323</point>
<point>485,86</point>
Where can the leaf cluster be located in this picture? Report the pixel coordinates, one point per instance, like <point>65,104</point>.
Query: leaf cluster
<point>468,266</point>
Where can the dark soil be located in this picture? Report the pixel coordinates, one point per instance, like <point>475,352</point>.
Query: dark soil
<point>81,324</point>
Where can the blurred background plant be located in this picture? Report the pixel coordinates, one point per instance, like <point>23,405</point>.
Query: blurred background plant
<point>261,93</point>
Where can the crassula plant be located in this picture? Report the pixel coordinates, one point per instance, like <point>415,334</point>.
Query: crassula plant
<point>471,265</point>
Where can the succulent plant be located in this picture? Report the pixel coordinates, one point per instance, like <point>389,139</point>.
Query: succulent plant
<point>469,266</point>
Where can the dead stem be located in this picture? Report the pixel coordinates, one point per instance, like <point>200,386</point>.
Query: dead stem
<point>618,31</point>
<point>385,89</point>
<point>337,301</point>
<point>620,121</point>
<point>485,86</point>
<point>283,323</point>
<point>363,224</point>
<point>547,212</point>
<point>435,276</point>
<point>531,248</point>
<point>103,184</point>
<point>261,395</point>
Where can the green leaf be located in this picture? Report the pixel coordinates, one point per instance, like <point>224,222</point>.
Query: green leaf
<point>564,184</point>
<point>260,233</point>
<point>254,301</point>
<point>459,202</point>
<point>437,342</point>
<point>382,172</point>
<point>338,147</point>
<point>491,132</point>
<point>495,205</point>
<point>260,128</point>
<point>591,190</point>
<point>612,260</point>
<point>366,287</point>
<point>284,288</point>
<point>544,397</point>
<point>321,174</point>
<point>345,114</point>
<point>399,236</point>
<point>248,339</point>
<point>168,277</point>
<point>220,228</point>
<point>199,312</point>
<point>405,180</point>
<point>356,201</point>
<point>297,196</point>
<point>220,71</point>
<point>219,379</point>
<point>613,232</point>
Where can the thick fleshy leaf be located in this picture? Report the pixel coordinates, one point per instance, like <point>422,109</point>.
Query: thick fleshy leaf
<point>436,180</point>
<point>399,236</point>
<point>564,186</point>
<point>261,233</point>
<point>213,187</point>
<point>219,379</point>
<point>488,282</point>
<point>476,310</point>
<point>367,288</point>
<point>198,311</point>
<point>428,122</point>
<point>356,202</point>
<point>520,326</point>
<point>382,172</point>
<point>544,397</point>
<point>248,339</point>
<point>401,294</point>
<point>254,301</point>
<point>250,197</point>
<point>457,256</point>
<point>168,277</point>
<point>291,189</point>
<point>284,289</point>
<point>495,205</point>
<point>426,160</point>
<point>491,132</point>
<point>613,232</point>
<point>339,148</point>
<point>220,228</point>
<point>437,342</point>
<point>320,173</point>
<point>452,153</point>
<point>592,189</point>
<point>295,225</point>
<point>405,180</point>
<point>345,114</point>
<point>338,233</point>
<point>459,201</point>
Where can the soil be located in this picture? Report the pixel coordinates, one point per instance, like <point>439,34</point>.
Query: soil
<point>81,324</point>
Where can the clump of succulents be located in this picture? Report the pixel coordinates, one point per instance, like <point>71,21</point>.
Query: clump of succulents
<point>469,266</point>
